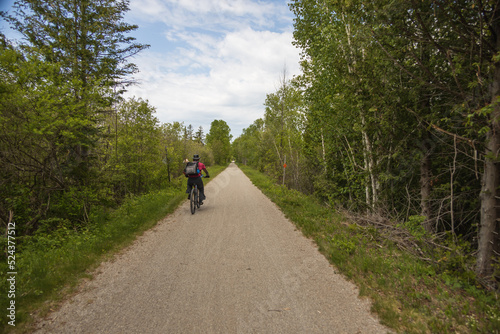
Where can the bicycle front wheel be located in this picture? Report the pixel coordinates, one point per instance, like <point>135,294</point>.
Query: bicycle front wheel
<point>192,200</point>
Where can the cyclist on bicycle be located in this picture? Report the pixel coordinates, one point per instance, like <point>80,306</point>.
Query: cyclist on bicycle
<point>195,178</point>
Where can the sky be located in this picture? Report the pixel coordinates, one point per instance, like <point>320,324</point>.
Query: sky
<point>210,59</point>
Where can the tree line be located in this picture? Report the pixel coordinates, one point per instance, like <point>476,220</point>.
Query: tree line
<point>70,143</point>
<point>396,113</point>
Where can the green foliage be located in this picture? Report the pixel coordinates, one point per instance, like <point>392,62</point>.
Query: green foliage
<point>136,150</point>
<point>414,225</point>
<point>219,140</point>
<point>270,143</point>
<point>391,114</point>
<point>344,244</point>
<point>57,90</point>
<point>181,145</point>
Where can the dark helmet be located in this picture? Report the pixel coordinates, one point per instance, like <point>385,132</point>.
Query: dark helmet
<point>196,157</point>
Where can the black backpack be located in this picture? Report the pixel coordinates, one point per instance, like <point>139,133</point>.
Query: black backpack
<point>192,168</point>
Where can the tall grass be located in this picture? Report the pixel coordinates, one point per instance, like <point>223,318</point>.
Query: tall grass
<point>49,266</point>
<point>409,295</point>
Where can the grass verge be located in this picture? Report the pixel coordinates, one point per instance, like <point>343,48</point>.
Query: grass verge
<point>409,295</point>
<point>49,267</point>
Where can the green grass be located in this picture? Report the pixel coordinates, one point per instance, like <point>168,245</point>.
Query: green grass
<point>408,294</point>
<point>50,266</point>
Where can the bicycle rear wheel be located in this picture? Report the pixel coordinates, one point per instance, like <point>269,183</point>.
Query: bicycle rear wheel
<point>192,200</point>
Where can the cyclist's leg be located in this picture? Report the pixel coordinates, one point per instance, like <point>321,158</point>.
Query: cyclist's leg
<point>189,186</point>
<point>201,188</point>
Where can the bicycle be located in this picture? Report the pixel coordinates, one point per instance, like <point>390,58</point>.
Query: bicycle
<point>194,201</point>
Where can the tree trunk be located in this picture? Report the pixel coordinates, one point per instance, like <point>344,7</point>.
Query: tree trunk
<point>489,241</point>
<point>168,163</point>
<point>370,166</point>
<point>425,188</point>
<point>323,151</point>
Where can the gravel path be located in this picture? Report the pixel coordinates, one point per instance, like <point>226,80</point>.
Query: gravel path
<point>236,266</point>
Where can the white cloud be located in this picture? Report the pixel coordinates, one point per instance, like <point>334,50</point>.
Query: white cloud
<point>211,14</point>
<point>223,72</point>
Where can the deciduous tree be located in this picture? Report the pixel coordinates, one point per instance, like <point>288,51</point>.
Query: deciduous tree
<point>219,140</point>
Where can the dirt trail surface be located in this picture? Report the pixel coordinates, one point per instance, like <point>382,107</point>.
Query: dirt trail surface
<point>236,266</point>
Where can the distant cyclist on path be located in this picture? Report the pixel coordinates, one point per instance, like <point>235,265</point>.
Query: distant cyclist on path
<point>193,173</point>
